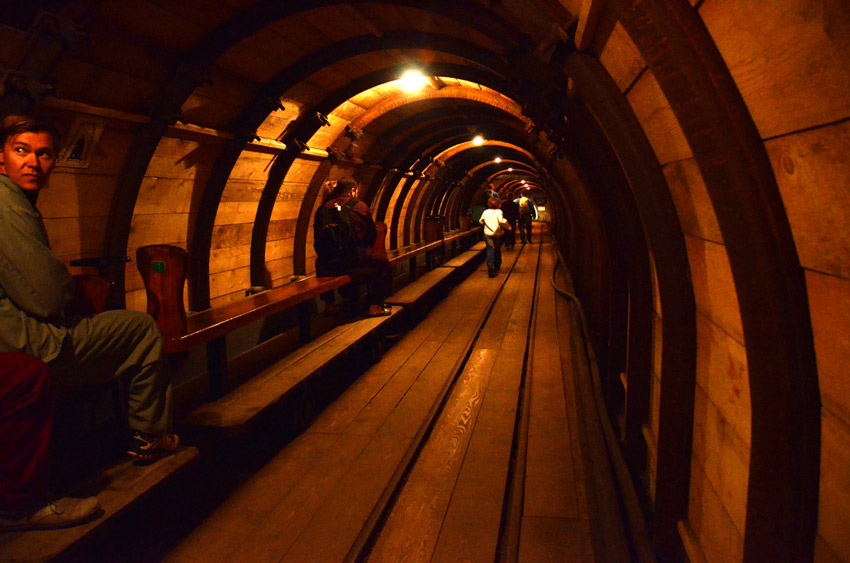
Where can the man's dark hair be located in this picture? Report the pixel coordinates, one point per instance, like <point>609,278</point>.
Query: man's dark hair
<point>344,186</point>
<point>16,124</point>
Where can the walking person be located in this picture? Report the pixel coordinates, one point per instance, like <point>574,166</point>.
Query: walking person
<point>527,212</point>
<point>494,226</point>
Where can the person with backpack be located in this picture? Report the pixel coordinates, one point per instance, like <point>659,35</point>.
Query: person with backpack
<point>344,235</point>
<point>527,212</point>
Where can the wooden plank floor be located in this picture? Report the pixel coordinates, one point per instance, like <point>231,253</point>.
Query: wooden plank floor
<point>415,527</point>
<point>348,456</point>
<point>413,461</point>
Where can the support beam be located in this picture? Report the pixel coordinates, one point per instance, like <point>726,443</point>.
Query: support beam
<point>588,18</point>
<point>782,497</point>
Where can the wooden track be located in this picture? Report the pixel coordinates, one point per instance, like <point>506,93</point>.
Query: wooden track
<point>413,461</point>
<point>464,443</point>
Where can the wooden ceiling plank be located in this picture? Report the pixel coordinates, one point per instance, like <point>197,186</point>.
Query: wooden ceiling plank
<point>588,19</point>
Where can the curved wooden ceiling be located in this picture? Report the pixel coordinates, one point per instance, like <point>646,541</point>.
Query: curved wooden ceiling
<point>269,84</point>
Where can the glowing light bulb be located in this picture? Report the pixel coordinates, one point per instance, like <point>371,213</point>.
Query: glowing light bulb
<point>412,81</point>
<point>498,159</point>
<point>478,140</point>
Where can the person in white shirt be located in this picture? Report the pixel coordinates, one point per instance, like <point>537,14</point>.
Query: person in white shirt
<point>494,225</point>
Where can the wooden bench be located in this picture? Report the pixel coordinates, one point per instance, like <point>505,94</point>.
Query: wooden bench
<point>164,268</point>
<point>413,292</point>
<point>291,379</point>
<point>461,240</point>
<point>447,244</point>
<point>435,280</point>
<point>463,259</point>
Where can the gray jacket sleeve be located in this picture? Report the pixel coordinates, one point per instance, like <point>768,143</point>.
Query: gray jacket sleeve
<point>31,275</point>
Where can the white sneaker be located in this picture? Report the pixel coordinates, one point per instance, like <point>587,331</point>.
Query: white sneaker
<point>57,514</point>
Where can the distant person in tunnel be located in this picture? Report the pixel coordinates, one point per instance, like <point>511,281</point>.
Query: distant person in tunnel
<point>494,226</point>
<point>36,292</point>
<point>344,236</point>
<point>527,213</point>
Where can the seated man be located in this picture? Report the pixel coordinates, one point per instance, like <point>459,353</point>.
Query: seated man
<point>26,422</point>
<point>36,288</point>
<point>344,239</point>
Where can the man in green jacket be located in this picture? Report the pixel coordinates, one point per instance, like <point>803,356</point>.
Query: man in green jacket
<point>36,288</point>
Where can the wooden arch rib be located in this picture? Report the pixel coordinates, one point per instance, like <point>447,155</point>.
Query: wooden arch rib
<point>442,133</point>
<point>491,143</point>
<point>782,501</point>
<point>678,362</point>
<point>192,70</point>
<point>304,132</point>
<point>630,257</point>
<point>493,99</point>
<point>412,136</point>
<point>430,197</point>
<point>254,114</point>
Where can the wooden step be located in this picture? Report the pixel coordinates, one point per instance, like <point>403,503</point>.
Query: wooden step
<point>413,292</point>
<point>118,486</point>
<point>240,406</point>
<point>462,259</point>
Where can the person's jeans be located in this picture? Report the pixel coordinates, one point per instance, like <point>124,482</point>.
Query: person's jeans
<point>494,253</point>
<point>115,344</point>
<point>525,227</point>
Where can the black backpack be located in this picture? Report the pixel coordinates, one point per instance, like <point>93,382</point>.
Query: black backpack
<point>334,238</point>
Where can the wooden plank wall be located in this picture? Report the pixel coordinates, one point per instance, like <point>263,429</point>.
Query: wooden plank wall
<point>75,205</point>
<point>167,201</point>
<point>791,62</point>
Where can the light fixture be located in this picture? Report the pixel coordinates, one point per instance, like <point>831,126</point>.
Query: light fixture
<point>498,159</point>
<point>478,140</point>
<point>412,81</point>
<point>510,169</point>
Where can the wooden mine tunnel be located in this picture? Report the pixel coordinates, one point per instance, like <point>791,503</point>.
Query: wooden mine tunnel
<point>685,159</point>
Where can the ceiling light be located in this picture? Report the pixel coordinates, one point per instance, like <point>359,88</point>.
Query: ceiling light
<point>478,140</point>
<point>412,81</point>
<point>498,159</point>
